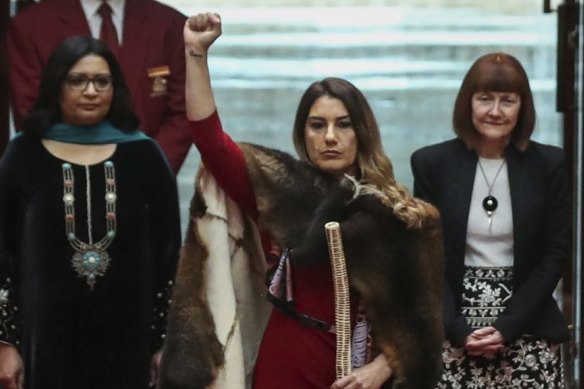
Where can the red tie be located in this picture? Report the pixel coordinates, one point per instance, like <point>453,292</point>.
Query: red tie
<point>108,32</point>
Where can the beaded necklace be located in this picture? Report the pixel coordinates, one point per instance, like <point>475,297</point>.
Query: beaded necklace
<point>90,259</point>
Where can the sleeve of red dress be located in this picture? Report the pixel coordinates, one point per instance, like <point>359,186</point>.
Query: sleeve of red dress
<point>225,160</point>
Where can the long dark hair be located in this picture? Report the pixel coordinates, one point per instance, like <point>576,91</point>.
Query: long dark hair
<point>46,110</point>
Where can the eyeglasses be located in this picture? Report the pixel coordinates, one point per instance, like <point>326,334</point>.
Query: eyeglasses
<point>101,82</point>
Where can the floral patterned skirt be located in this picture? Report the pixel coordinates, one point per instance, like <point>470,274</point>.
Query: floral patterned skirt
<point>528,362</point>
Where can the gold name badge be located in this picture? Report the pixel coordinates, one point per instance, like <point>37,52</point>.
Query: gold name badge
<point>159,82</point>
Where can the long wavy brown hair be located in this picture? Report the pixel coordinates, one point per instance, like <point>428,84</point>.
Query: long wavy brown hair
<point>374,166</point>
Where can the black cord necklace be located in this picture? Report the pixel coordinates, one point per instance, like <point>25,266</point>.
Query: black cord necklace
<point>490,202</point>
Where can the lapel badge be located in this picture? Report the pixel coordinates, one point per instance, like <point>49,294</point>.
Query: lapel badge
<point>159,81</point>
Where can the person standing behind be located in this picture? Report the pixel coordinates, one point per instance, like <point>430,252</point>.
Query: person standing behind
<point>504,205</point>
<point>150,53</point>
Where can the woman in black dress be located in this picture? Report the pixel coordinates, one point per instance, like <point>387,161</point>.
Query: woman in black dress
<point>89,233</point>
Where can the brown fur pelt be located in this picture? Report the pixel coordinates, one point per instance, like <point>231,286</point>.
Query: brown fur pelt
<point>191,351</point>
<point>396,270</point>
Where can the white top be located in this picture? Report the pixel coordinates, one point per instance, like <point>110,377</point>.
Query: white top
<point>90,8</point>
<point>490,244</point>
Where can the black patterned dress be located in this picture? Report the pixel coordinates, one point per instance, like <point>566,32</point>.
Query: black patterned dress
<point>503,259</point>
<point>528,362</point>
<point>487,287</point>
<point>70,335</point>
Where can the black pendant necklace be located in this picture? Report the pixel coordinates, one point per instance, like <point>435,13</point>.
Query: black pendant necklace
<point>490,202</point>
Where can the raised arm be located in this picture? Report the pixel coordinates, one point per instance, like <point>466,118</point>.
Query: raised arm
<point>220,154</point>
<point>200,32</point>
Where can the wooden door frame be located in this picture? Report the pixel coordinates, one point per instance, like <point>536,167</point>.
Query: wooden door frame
<point>578,179</point>
<point>569,58</point>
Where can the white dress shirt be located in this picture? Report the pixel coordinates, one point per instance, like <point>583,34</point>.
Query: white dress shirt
<point>90,8</point>
<point>490,244</point>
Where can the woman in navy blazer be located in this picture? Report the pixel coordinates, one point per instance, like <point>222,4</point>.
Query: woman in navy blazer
<point>504,205</point>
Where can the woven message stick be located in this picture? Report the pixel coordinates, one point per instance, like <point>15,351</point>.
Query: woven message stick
<point>342,303</point>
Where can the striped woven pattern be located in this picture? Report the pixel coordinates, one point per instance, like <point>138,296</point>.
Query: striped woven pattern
<point>342,303</point>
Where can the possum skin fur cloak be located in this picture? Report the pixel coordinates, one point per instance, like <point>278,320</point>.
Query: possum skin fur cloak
<point>219,307</point>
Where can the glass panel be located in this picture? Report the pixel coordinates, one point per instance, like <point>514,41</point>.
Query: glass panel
<point>408,59</point>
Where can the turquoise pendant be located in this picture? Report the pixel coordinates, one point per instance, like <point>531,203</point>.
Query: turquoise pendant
<point>90,264</point>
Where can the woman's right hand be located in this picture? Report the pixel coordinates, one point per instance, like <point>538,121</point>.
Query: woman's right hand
<point>202,30</point>
<point>485,341</point>
<point>369,376</point>
<point>11,367</point>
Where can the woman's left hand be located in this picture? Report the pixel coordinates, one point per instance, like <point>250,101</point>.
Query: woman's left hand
<point>155,369</point>
<point>371,376</point>
<point>484,341</point>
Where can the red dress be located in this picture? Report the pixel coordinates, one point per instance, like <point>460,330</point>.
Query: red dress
<point>291,355</point>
